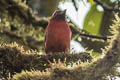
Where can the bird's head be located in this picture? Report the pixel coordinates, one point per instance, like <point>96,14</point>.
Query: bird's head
<point>59,15</point>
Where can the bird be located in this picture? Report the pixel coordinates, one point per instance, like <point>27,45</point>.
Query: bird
<point>57,33</point>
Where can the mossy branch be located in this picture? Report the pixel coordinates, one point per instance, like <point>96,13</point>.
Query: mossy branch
<point>96,70</point>
<point>17,7</point>
<point>25,14</point>
<point>15,59</point>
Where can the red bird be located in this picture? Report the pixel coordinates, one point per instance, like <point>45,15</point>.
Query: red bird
<point>58,33</point>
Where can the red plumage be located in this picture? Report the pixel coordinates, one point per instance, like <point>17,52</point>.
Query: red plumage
<point>57,34</point>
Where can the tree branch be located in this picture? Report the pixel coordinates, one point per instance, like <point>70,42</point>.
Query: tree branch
<point>105,6</point>
<point>93,71</point>
<point>94,36</point>
<point>83,33</point>
<point>14,58</point>
<point>75,5</point>
<point>25,13</point>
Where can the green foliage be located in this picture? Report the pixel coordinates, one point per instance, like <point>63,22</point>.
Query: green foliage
<point>94,54</point>
<point>93,20</point>
<point>91,2</point>
<point>92,25</point>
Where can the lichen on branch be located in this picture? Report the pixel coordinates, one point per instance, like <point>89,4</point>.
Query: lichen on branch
<point>15,58</point>
<point>19,24</point>
<point>96,70</point>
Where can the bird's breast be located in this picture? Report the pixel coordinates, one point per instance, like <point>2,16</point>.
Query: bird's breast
<point>59,32</point>
<point>58,37</point>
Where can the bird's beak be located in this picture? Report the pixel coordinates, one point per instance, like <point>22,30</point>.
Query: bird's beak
<point>64,12</point>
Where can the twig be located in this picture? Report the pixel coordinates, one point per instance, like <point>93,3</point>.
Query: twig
<point>76,30</point>
<point>105,6</point>
<point>94,36</point>
<point>84,33</point>
<point>74,3</point>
